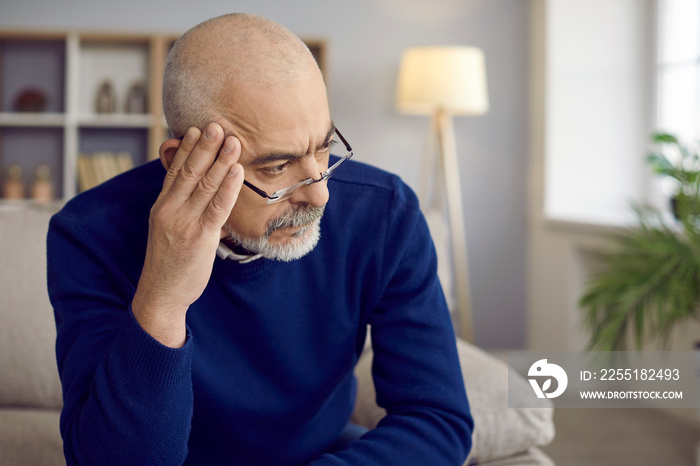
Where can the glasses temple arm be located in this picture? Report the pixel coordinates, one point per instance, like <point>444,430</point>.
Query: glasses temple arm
<point>347,146</point>
<point>257,190</point>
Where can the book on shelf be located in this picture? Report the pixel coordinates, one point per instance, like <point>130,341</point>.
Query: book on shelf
<point>86,179</point>
<point>98,167</point>
<point>124,161</point>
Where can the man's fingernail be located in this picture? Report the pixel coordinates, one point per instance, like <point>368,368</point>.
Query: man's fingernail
<point>228,145</point>
<point>233,171</point>
<point>210,132</point>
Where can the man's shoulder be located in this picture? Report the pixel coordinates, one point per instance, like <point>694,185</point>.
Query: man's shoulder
<point>357,177</point>
<point>368,202</point>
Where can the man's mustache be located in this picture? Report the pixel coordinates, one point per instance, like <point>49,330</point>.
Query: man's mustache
<point>295,219</point>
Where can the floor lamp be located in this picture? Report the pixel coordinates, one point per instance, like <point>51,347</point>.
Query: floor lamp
<point>442,82</point>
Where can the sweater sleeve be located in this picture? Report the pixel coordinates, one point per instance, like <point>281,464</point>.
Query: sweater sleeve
<point>127,398</point>
<point>416,370</point>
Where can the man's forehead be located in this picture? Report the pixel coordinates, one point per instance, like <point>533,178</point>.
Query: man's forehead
<point>279,107</point>
<point>293,118</point>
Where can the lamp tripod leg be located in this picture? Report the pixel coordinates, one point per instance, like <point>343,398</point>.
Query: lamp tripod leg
<point>448,153</point>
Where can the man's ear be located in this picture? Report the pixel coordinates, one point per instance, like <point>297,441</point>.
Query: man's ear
<point>167,151</point>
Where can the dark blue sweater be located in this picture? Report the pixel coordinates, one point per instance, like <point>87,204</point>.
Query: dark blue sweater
<point>266,374</point>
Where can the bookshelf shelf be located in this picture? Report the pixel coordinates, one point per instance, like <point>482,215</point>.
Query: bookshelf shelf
<point>32,119</point>
<point>116,121</point>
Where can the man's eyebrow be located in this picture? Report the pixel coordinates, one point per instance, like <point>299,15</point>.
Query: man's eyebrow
<point>274,157</point>
<point>279,156</point>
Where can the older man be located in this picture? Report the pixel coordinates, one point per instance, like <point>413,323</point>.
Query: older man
<point>212,312</point>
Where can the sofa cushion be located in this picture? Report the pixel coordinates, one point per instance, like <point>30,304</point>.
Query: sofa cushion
<point>28,332</point>
<point>499,431</point>
<point>30,436</point>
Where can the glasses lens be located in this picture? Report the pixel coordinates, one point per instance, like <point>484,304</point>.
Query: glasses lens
<point>287,192</point>
<point>334,167</point>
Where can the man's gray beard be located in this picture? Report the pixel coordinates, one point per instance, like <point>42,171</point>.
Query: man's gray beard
<point>302,243</point>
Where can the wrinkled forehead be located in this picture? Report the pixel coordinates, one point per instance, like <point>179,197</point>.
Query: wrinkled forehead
<point>293,117</point>
<point>263,109</point>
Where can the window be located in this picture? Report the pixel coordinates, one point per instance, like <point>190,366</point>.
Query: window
<point>597,66</point>
<point>678,68</point>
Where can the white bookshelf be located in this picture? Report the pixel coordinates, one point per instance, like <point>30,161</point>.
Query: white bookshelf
<point>69,67</point>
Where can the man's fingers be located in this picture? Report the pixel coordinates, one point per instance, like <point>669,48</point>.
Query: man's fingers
<point>221,204</point>
<point>189,141</point>
<point>210,183</point>
<point>197,163</point>
<point>204,180</point>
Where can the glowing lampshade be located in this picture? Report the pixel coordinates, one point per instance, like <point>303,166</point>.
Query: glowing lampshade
<point>450,79</point>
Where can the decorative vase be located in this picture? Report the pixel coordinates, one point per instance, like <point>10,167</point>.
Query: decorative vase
<point>14,186</point>
<point>42,188</point>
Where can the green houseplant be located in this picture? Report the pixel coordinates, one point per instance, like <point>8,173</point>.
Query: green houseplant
<point>649,281</point>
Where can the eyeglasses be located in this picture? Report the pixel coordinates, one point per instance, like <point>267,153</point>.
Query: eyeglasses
<point>286,193</point>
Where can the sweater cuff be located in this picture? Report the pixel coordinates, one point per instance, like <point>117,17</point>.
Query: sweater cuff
<point>145,357</point>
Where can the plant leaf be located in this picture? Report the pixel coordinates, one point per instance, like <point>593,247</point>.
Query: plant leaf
<point>664,137</point>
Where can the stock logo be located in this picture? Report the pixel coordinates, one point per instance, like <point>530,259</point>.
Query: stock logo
<point>543,369</point>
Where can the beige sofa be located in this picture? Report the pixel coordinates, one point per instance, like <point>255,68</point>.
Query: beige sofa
<point>30,391</point>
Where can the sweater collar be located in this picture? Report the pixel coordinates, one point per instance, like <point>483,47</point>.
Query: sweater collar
<point>224,252</point>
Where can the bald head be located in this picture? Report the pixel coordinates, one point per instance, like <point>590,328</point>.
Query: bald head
<point>223,55</point>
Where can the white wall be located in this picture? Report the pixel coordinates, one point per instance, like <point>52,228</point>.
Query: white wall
<point>366,38</point>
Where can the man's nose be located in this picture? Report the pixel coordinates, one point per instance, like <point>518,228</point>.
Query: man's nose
<point>315,194</point>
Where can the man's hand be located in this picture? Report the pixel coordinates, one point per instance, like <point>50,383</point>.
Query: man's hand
<point>199,192</point>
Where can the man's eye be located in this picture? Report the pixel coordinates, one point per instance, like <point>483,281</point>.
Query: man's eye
<point>328,146</point>
<point>277,169</point>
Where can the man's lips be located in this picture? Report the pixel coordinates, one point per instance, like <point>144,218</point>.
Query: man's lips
<point>292,231</point>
